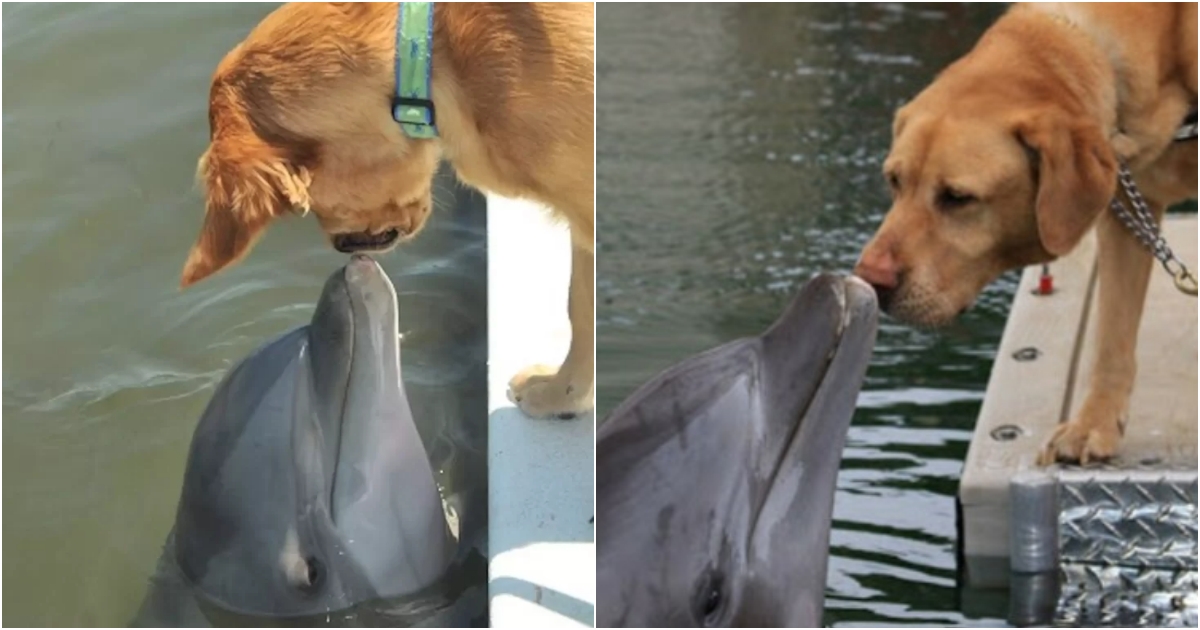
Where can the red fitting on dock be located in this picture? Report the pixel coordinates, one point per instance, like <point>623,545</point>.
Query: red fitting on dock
<point>1046,282</point>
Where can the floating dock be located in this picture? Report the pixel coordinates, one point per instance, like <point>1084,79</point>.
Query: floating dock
<point>1117,542</point>
<point>541,473</point>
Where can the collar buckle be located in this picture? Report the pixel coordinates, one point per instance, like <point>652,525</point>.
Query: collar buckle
<point>413,111</point>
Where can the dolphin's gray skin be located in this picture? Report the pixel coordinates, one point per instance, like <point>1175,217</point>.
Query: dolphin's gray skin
<point>715,480</point>
<point>307,489</point>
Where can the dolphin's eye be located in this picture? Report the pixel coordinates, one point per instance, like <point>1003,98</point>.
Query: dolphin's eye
<point>316,573</point>
<point>710,598</point>
<point>712,602</point>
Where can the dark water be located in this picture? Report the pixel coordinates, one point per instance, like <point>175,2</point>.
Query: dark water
<point>738,153</point>
<point>107,365</point>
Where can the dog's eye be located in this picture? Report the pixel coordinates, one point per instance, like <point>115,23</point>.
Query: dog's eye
<point>950,199</point>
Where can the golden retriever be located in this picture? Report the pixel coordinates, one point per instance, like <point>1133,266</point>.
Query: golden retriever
<point>1010,156</point>
<point>300,120</point>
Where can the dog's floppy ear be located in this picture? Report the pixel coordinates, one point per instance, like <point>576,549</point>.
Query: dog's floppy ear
<point>1076,177</point>
<point>246,185</point>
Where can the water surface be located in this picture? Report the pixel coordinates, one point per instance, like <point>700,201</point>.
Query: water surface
<point>107,364</point>
<point>738,154</point>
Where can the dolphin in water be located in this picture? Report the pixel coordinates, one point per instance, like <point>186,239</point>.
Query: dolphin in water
<point>307,489</point>
<point>715,480</point>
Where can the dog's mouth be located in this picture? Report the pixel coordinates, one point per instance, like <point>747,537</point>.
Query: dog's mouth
<point>354,242</point>
<point>921,307</point>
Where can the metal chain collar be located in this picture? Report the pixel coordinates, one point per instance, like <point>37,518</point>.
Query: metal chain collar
<point>1186,132</point>
<point>1143,226</point>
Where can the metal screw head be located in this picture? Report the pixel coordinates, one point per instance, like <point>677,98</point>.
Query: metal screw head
<point>1027,353</point>
<point>1007,433</point>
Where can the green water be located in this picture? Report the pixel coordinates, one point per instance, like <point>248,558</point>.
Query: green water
<point>738,154</point>
<point>107,365</point>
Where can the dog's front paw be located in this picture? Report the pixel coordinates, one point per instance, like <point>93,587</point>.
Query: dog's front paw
<point>1086,438</point>
<point>542,392</point>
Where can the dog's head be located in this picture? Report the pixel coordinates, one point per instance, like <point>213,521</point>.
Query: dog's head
<point>982,179</point>
<point>300,121</point>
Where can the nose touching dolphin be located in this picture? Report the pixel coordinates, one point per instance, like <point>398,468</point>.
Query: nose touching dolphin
<point>307,488</point>
<point>715,480</point>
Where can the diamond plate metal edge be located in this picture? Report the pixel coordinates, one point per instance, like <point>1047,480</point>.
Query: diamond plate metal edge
<point>1128,597</point>
<point>1128,518</point>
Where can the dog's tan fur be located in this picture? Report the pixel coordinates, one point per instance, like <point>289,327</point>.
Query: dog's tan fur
<point>300,117</point>
<point>1010,156</point>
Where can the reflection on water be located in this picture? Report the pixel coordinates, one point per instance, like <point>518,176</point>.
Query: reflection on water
<point>739,150</point>
<point>107,365</point>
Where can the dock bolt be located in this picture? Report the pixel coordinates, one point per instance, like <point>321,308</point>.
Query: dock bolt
<point>1027,353</point>
<point>1007,433</point>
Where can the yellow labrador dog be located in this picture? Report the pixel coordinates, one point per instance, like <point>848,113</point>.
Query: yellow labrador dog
<point>1011,155</point>
<point>301,119</point>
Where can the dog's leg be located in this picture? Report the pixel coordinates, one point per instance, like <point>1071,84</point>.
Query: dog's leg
<point>1094,433</point>
<point>541,391</point>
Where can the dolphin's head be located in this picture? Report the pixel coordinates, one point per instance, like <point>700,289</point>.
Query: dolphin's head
<point>307,488</point>
<point>715,481</point>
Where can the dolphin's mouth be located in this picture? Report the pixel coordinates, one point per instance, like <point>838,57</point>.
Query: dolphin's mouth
<point>839,332</point>
<point>373,350</point>
<point>354,242</point>
<point>340,423</point>
<point>822,420</point>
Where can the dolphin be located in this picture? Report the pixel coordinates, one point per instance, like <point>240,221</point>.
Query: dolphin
<point>307,488</point>
<point>715,480</point>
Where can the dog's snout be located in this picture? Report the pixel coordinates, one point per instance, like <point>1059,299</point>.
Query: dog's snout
<point>878,267</point>
<point>355,242</point>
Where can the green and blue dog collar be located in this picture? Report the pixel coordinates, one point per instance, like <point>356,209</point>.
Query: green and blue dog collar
<point>412,104</point>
